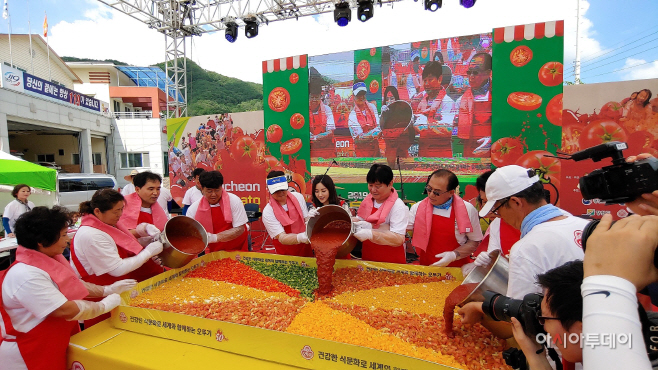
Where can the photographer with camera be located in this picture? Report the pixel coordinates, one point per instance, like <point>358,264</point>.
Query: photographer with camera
<point>619,261</point>
<point>549,236</point>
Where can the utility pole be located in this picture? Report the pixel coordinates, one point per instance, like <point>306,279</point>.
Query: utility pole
<point>577,61</point>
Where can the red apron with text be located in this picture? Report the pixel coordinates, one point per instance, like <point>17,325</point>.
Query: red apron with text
<point>219,225</point>
<point>442,239</point>
<point>382,253</point>
<point>43,347</point>
<point>148,270</point>
<point>299,250</point>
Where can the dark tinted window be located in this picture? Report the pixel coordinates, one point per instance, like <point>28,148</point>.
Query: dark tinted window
<point>69,185</point>
<point>99,183</point>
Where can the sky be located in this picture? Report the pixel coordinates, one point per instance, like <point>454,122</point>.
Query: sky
<point>616,42</point>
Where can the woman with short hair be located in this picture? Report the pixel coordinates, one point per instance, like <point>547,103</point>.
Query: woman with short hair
<point>16,208</point>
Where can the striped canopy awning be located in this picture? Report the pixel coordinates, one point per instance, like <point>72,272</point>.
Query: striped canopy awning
<point>284,64</point>
<point>529,31</point>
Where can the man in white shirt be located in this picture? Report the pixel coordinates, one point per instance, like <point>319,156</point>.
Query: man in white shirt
<point>549,238</point>
<point>193,194</point>
<point>364,123</point>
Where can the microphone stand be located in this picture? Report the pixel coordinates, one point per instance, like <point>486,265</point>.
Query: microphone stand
<point>401,182</point>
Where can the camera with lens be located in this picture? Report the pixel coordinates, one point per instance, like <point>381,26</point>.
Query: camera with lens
<point>502,308</point>
<point>620,182</point>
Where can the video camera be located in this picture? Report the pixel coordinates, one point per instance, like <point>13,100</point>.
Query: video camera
<point>620,182</point>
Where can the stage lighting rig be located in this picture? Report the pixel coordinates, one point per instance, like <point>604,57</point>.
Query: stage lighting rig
<point>365,10</point>
<point>433,5</point>
<point>250,28</point>
<point>342,14</point>
<point>467,3</point>
<point>231,32</point>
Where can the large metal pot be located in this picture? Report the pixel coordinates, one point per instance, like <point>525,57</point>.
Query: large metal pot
<point>492,277</point>
<point>181,227</point>
<point>326,215</point>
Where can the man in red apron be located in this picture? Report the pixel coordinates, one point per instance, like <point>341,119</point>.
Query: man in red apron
<point>446,229</point>
<point>285,217</point>
<point>321,123</point>
<point>475,108</point>
<point>142,215</point>
<point>221,213</point>
<point>364,123</point>
<point>435,134</point>
<point>42,298</point>
<point>382,219</point>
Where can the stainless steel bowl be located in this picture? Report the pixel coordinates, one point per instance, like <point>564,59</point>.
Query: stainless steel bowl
<point>181,226</point>
<point>492,277</point>
<point>326,215</point>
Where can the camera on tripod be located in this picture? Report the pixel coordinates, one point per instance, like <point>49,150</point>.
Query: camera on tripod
<point>620,182</point>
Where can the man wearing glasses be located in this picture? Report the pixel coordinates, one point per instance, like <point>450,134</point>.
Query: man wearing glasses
<point>475,108</point>
<point>446,230</point>
<point>221,213</point>
<point>382,218</point>
<point>550,237</point>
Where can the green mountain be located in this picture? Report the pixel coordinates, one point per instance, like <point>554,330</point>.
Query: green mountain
<point>209,92</point>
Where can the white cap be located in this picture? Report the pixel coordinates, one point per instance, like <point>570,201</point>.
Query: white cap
<point>277,183</point>
<point>505,182</point>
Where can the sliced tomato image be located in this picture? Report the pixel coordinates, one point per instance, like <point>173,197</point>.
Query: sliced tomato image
<point>612,110</point>
<point>550,74</point>
<point>601,131</point>
<point>279,99</point>
<point>506,151</point>
<point>297,121</point>
<point>362,70</point>
<point>244,147</point>
<point>554,110</point>
<point>374,86</point>
<point>274,133</point>
<point>294,78</point>
<point>291,146</point>
<point>524,100</point>
<point>520,56</point>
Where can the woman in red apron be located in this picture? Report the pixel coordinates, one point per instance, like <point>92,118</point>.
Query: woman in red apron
<point>284,218</point>
<point>103,252</point>
<point>226,228</point>
<point>323,194</point>
<point>382,219</point>
<point>42,298</point>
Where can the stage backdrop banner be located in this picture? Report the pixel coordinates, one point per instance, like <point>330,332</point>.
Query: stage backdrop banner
<point>624,111</point>
<point>231,143</point>
<point>285,103</point>
<point>414,104</point>
<point>527,120</point>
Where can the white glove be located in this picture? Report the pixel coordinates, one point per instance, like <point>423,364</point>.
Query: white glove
<point>313,213</point>
<point>145,240</point>
<point>119,287</point>
<point>154,249</point>
<point>483,259</point>
<point>145,229</point>
<point>446,258</point>
<point>363,225</point>
<point>302,238</point>
<point>212,238</point>
<point>363,234</point>
<point>89,310</point>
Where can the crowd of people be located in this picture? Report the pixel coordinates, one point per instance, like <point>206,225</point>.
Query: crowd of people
<point>44,296</point>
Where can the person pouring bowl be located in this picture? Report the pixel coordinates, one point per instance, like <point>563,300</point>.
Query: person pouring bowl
<point>42,298</point>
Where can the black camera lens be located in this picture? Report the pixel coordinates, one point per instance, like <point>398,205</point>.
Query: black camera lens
<point>502,308</point>
<point>587,231</point>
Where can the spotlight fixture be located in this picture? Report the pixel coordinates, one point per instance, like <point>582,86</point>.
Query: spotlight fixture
<point>231,33</point>
<point>365,10</point>
<point>342,14</point>
<point>433,5</point>
<point>250,28</point>
<point>467,3</point>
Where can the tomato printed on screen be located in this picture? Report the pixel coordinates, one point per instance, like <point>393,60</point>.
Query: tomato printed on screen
<point>554,110</point>
<point>363,70</point>
<point>525,101</point>
<point>291,146</point>
<point>279,99</point>
<point>297,121</point>
<point>274,133</point>
<point>550,74</point>
<point>506,151</point>
<point>599,132</point>
<point>520,56</point>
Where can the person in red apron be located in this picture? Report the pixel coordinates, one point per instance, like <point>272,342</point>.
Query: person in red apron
<point>285,217</point>
<point>364,123</point>
<point>142,214</point>
<point>321,120</point>
<point>324,194</point>
<point>221,213</point>
<point>446,229</point>
<point>42,298</point>
<point>474,125</point>
<point>382,219</point>
<point>104,252</point>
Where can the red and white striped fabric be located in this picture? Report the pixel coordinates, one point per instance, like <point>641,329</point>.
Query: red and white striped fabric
<point>284,64</point>
<point>529,31</point>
